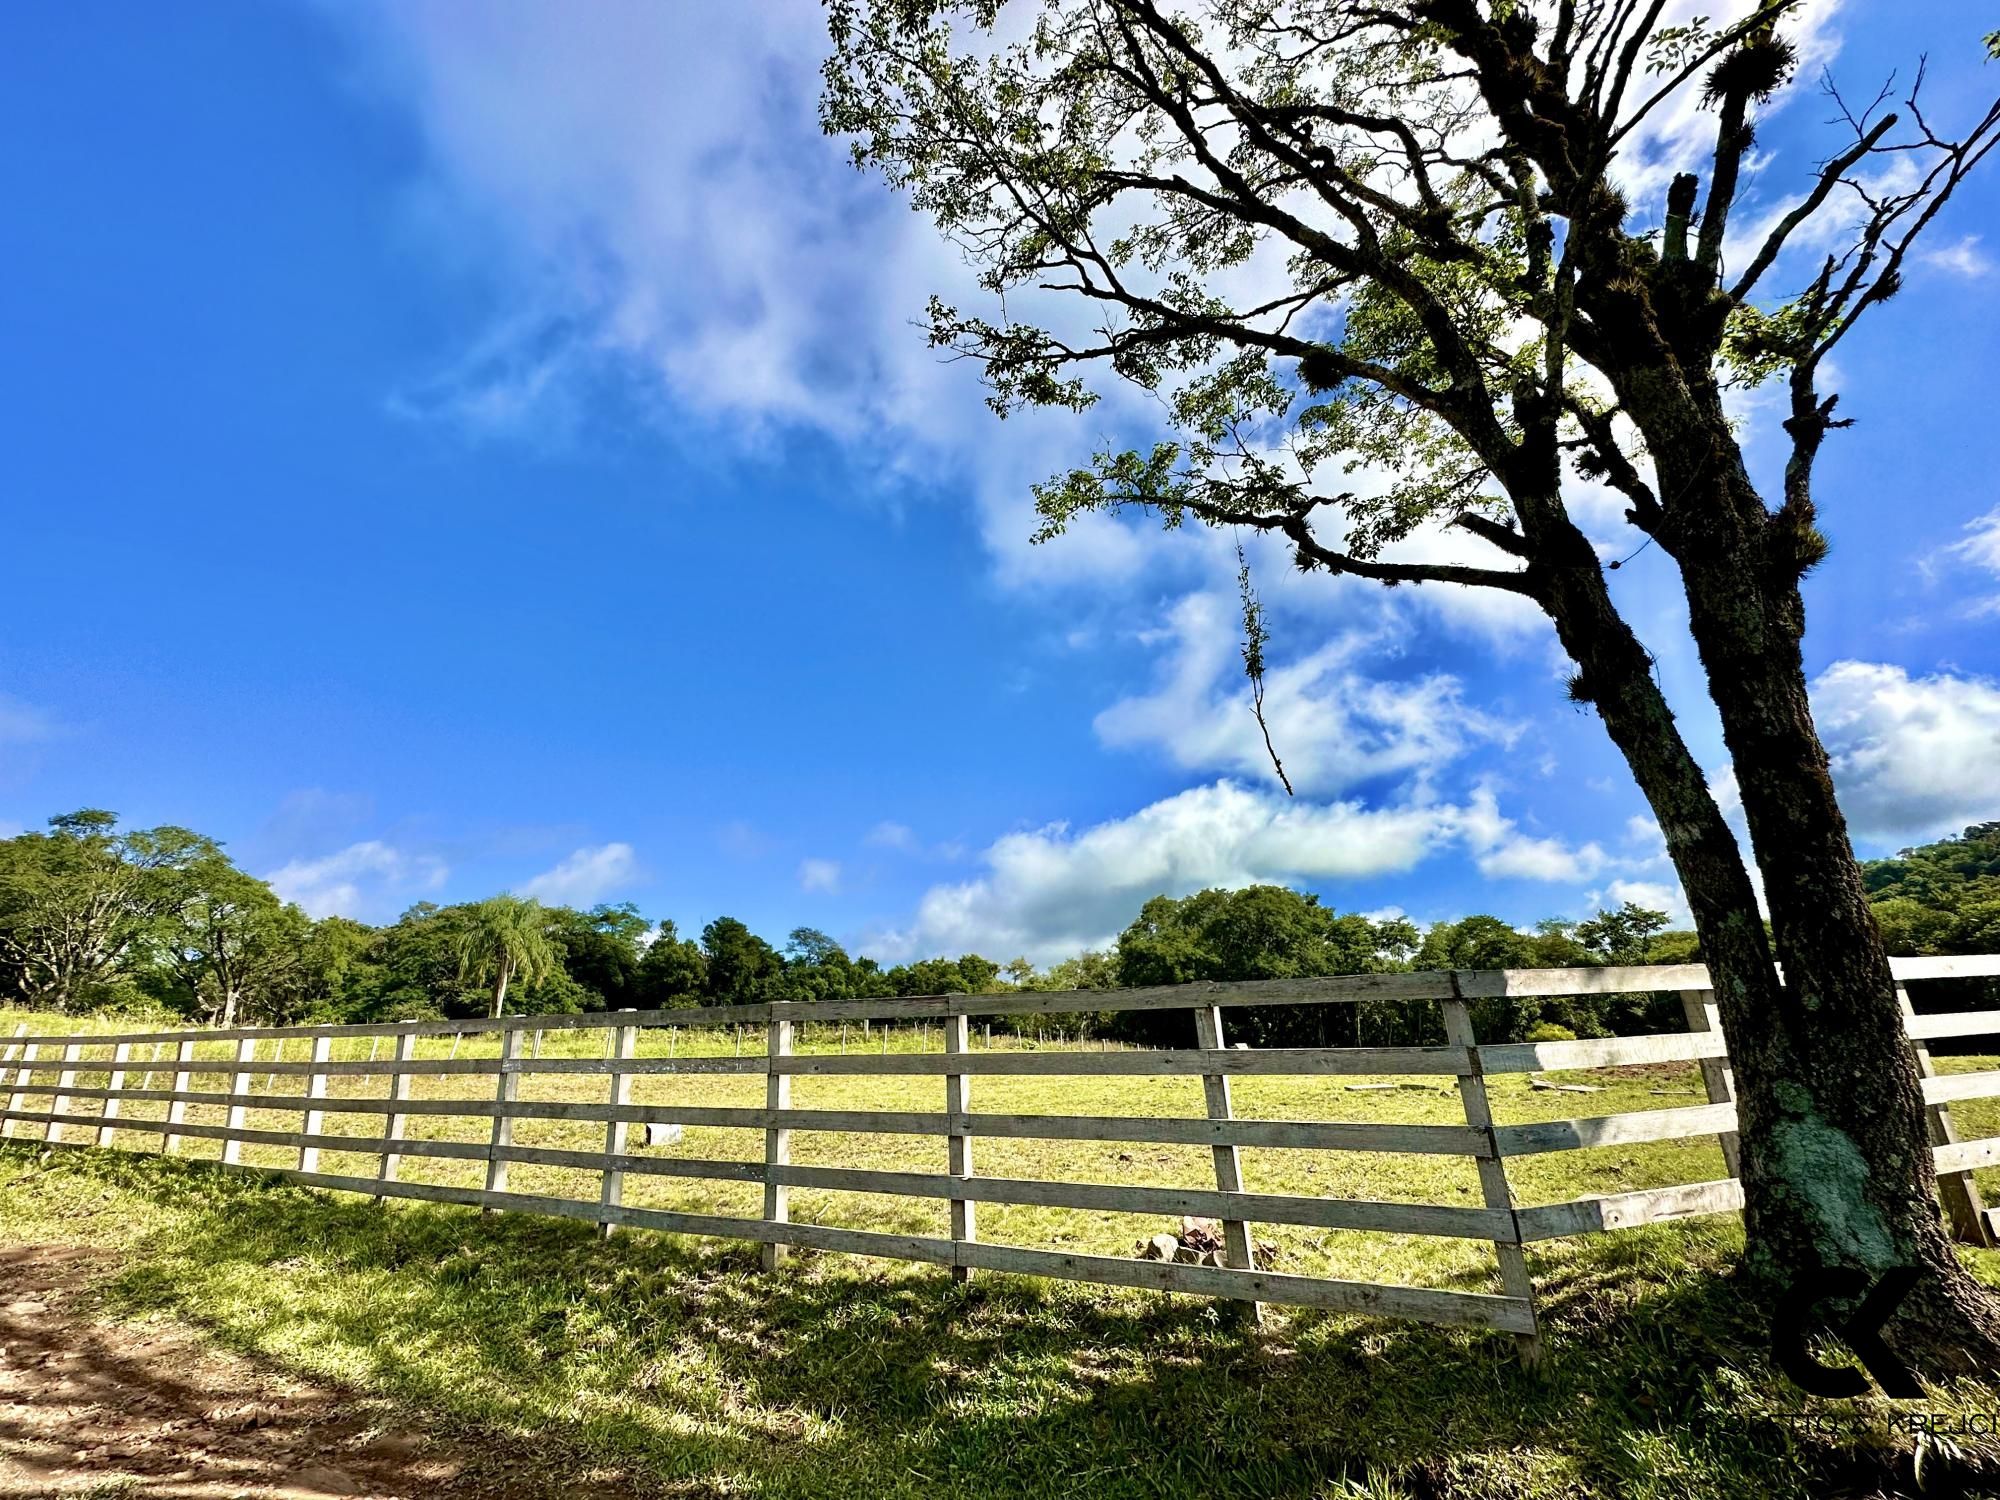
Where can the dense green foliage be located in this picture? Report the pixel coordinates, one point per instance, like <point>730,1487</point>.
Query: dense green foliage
<point>92,918</point>
<point>1942,897</point>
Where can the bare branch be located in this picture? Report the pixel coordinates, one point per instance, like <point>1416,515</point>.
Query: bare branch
<point>1829,178</point>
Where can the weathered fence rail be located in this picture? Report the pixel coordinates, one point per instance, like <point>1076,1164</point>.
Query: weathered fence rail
<point>49,1083</point>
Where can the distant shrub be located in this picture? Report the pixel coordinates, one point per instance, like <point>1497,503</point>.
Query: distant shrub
<point>1548,1031</point>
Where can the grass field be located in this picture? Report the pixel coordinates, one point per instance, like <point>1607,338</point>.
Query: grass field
<point>837,1376</point>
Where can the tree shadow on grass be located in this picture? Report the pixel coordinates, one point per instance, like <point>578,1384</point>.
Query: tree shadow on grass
<point>835,1376</point>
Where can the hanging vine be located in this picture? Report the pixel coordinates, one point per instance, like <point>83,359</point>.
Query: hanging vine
<point>1254,639</point>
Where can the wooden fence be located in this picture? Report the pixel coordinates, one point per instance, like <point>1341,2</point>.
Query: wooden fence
<point>85,1090</point>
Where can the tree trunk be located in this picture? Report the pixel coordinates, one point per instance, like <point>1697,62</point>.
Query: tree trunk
<point>502,975</point>
<point>1836,1166</point>
<point>228,1017</point>
<point>1837,1162</point>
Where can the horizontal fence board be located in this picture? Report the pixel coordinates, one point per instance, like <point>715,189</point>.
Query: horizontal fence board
<point>1628,1210</point>
<point>1614,1130</point>
<point>1260,1208</point>
<point>1342,989</point>
<point>1952,1023</point>
<point>487,1067</point>
<point>1188,1062</point>
<point>1965,1156</point>
<point>1305,1135</point>
<point>1949,966</point>
<point>1419,1304</point>
<point>1942,1088</point>
<point>1601,1052</point>
<point>1493,984</point>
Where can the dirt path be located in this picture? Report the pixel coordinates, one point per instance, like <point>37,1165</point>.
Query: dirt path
<point>101,1410</point>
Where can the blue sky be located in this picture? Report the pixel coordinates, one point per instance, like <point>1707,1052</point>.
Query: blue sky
<point>447,449</point>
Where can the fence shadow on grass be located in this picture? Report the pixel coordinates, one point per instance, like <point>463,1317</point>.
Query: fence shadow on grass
<point>682,1361</point>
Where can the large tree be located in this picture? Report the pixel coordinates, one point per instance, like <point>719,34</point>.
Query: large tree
<point>231,943</point>
<point>1336,236</point>
<point>73,904</point>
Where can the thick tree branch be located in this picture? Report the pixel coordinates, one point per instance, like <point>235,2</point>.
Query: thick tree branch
<point>1501,535</point>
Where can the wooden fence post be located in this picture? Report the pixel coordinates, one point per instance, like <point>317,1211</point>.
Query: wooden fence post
<point>1237,1248</point>
<point>170,1142</point>
<point>958,1143</point>
<point>392,1125</point>
<point>66,1079</point>
<point>1515,1279</point>
<point>239,1088</point>
<point>505,1092</point>
<point>107,1133</point>
<point>315,1120</point>
<point>23,1076</point>
<point>1716,1075</point>
<point>777,1139</point>
<point>1964,1207</point>
<point>616,1132</point>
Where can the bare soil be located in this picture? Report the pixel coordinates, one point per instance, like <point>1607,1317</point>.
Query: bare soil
<point>100,1409</point>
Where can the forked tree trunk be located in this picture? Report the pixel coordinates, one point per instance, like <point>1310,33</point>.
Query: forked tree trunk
<point>1836,1163</point>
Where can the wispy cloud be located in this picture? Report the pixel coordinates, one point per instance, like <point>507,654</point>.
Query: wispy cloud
<point>887,835</point>
<point>821,875</point>
<point>585,877</point>
<point>364,880</point>
<point>1962,257</point>
<point>1333,722</point>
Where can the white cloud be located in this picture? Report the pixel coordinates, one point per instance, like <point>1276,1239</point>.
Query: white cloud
<point>1503,852</point>
<point>362,880</point>
<point>585,877</point>
<point>819,875</point>
<point>1652,894</point>
<point>1525,858</point>
<point>1962,258</point>
<point>1332,724</point>
<point>888,835</point>
<point>1978,548</point>
<point>1912,758</point>
<point>651,182</point>
<point>1053,892</point>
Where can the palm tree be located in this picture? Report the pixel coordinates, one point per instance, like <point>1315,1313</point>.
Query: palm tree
<point>504,937</point>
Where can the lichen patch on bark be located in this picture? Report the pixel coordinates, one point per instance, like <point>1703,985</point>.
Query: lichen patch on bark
<point>1824,1169</point>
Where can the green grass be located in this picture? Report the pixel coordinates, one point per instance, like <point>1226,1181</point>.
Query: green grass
<point>837,1377</point>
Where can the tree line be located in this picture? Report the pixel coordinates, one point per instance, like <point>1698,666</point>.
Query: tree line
<point>94,918</point>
